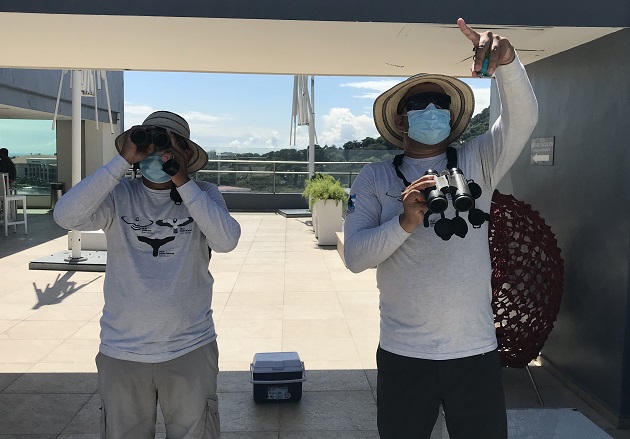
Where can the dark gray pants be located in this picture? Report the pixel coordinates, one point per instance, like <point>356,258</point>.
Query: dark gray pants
<point>410,390</point>
<point>186,388</point>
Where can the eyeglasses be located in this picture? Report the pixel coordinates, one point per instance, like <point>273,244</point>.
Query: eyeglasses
<point>422,100</point>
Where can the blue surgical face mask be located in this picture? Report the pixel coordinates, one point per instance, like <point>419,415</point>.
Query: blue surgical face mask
<point>429,126</point>
<point>151,168</point>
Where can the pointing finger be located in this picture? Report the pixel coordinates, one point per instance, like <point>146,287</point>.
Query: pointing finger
<point>468,32</point>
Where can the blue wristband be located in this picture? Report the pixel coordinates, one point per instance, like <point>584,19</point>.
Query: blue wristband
<point>484,69</point>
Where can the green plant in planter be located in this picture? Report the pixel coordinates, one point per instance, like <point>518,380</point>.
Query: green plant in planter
<point>324,187</point>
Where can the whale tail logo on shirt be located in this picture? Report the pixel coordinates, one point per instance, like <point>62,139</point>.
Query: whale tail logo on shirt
<point>174,223</point>
<point>155,243</point>
<point>137,223</point>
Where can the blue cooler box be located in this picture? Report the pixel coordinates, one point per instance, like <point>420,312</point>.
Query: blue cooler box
<point>277,377</point>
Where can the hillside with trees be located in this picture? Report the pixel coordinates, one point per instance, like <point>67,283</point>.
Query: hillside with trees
<point>479,124</point>
<point>342,162</point>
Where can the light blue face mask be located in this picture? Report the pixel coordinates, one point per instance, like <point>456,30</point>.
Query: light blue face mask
<point>151,168</point>
<point>429,126</point>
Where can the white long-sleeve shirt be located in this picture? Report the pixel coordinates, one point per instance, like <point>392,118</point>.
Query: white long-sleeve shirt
<point>435,295</point>
<point>158,289</point>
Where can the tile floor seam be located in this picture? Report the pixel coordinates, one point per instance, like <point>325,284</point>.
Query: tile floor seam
<point>2,391</point>
<point>78,411</point>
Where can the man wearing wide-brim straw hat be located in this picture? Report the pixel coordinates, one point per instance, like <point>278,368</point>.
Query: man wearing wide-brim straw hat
<point>158,339</point>
<point>430,246</point>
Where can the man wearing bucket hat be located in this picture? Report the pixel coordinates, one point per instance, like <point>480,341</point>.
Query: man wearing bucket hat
<point>158,340</point>
<point>437,335</point>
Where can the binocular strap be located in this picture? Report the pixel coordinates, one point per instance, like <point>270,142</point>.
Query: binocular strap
<point>451,162</point>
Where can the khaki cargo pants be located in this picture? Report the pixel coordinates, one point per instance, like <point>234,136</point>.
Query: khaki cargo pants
<point>185,387</point>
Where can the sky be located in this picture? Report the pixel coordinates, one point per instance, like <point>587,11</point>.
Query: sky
<point>238,112</point>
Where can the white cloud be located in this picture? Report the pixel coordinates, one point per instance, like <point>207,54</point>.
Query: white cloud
<point>274,141</point>
<point>136,113</point>
<point>339,126</point>
<point>201,125</point>
<point>201,118</point>
<point>254,142</point>
<point>131,108</point>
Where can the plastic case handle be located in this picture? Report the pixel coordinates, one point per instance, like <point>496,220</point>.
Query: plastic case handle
<point>297,380</point>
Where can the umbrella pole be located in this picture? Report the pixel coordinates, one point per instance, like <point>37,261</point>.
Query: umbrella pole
<point>75,235</point>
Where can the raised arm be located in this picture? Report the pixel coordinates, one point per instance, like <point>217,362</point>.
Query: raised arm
<point>207,206</point>
<point>87,206</point>
<point>519,108</point>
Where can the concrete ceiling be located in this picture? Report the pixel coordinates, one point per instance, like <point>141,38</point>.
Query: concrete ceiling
<point>11,112</point>
<point>56,41</point>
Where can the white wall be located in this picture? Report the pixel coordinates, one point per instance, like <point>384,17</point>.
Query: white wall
<point>98,145</point>
<point>97,148</point>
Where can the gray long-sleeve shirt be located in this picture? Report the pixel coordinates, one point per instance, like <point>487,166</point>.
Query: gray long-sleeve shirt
<point>435,295</point>
<point>158,289</point>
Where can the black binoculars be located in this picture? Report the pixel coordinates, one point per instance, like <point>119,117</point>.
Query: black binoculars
<point>463,193</point>
<point>451,182</point>
<point>143,137</point>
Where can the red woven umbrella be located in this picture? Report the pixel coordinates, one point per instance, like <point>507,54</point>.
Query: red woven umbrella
<point>527,279</point>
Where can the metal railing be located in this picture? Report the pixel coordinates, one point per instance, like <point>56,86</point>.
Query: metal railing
<point>278,176</point>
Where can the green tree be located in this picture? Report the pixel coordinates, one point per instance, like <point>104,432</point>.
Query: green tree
<point>479,124</point>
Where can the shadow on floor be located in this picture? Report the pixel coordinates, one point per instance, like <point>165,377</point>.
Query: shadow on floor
<point>62,288</point>
<point>41,229</point>
<point>339,404</point>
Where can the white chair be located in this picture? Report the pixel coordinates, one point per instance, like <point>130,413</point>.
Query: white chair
<point>9,205</point>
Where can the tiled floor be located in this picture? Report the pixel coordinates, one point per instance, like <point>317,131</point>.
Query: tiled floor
<point>278,291</point>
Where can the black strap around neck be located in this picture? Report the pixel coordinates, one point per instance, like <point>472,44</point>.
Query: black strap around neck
<point>397,162</point>
<point>451,158</point>
<point>451,162</point>
<point>175,195</point>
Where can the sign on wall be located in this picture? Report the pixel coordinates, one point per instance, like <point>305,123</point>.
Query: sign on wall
<point>542,151</point>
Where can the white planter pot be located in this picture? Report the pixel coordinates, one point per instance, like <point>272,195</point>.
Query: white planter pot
<point>314,219</point>
<point>329,221</point>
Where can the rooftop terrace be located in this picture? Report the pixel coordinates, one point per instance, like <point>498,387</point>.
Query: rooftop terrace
<point>278,291</point>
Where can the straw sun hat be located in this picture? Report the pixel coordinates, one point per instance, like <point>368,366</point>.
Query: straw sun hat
<point>386,106</point>
<point>178,125</point>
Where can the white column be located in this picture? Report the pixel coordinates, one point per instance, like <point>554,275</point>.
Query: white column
<point>311,147</point>
<point>311,130</point>
<point>75,235</point>
<point>76,127</point>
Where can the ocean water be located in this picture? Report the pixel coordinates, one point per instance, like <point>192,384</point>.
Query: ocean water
<point>33,190</point>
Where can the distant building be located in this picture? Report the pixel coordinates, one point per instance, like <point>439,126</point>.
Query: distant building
<point>41,168</point>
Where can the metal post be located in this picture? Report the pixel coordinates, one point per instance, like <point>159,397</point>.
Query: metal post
<point>219,169</point>
<point>76,127</point>
<point>311,150</point>
<point>311,131</point>
<point>75,235</point>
